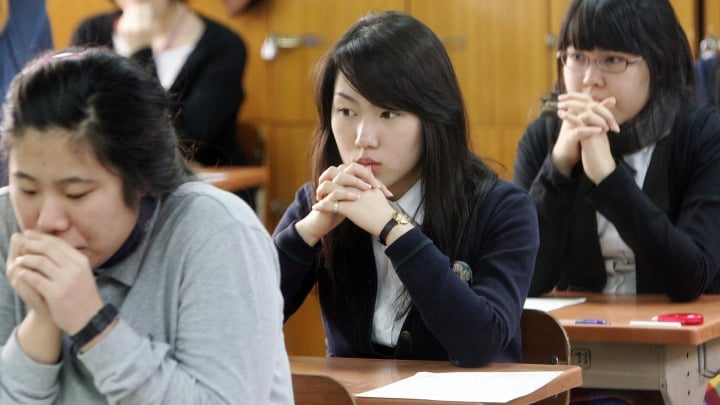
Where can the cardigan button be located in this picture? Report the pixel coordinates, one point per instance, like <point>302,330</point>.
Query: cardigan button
<point>405,335</point>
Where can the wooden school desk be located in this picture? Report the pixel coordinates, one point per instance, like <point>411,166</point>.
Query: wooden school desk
<point>360,375</point>
<point>235,178</point>
<point>676,361</point>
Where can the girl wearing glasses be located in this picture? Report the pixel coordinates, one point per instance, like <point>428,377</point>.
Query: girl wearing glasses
<point>625,173</point>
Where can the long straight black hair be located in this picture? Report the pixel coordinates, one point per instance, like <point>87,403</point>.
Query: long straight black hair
<point>396,62</point>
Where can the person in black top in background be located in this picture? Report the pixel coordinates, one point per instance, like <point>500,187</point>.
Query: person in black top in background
<point>200,62</point>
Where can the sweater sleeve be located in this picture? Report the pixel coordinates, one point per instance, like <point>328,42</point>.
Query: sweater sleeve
<point>17,369</point>
<point>458,314</point>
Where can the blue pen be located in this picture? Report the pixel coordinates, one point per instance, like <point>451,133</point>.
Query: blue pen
<point>591,322</point>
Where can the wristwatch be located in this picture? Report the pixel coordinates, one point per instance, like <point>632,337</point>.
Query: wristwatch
<point>398,218</point>
<point>96,326</point>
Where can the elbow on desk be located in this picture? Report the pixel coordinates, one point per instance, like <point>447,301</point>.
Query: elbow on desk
<point>470,362</point>
<point>473,357</point>
<point>685,290</point>
<point>684,296</point>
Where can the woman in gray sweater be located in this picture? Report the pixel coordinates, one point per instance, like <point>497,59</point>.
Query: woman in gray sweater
<point>127,280</point>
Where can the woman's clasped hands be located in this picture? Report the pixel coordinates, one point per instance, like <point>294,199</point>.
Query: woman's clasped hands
<point>346,191</point>
<point>54,279</point>
<point>583,135</point>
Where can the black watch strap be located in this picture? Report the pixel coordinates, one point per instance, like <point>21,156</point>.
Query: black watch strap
<point>96,326</point>
<point>386,230</point>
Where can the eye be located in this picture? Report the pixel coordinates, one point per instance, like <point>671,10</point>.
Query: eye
<point>77,196</point>
<point>614,60</point>
<point>345,111</point>
<point>389,114</point>
<point>578,58</point>
<point>28,192</point>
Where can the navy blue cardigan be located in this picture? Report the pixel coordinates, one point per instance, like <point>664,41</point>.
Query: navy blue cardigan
<point>672,224</point>
<point>468,324</point>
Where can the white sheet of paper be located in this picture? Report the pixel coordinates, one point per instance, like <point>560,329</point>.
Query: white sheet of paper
<point>465,386</point>
<point>551,303</point>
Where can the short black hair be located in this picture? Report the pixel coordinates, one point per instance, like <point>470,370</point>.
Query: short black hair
<point>108,102</point>
<point>648,28</point>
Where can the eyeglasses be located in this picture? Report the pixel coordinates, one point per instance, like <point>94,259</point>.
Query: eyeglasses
<point>606,63</point>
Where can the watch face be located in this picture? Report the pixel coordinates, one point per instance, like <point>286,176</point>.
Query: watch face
<point>401,218</point>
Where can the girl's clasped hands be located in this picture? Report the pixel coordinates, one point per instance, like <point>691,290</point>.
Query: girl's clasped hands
<point>583,135</point>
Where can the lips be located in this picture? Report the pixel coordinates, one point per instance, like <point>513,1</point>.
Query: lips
<point>373,165</point>
<point>366,162</point>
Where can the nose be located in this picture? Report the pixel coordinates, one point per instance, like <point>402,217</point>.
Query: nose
<point>593,76</point>
<point>367,134</point>
<point>52,217</point>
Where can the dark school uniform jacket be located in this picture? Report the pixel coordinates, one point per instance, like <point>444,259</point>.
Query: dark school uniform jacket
<point>672,224</point>
<point>470,324</point>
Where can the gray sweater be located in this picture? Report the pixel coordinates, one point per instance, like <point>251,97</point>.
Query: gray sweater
<point>200,315</point>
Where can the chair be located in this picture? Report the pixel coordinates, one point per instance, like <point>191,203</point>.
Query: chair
<point>251,142</point>
<point>545,342</point>
<point>319,389</point>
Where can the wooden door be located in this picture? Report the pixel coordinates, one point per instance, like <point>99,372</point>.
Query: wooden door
<point>504,65</point>
<point>687,14</point>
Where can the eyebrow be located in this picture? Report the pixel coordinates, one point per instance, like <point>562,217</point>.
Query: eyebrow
<point>68,180</point>
<point>345,96</point>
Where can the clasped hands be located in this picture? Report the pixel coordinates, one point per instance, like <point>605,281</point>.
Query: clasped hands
<point>137,26</point>
<point>583,135</point>
<point>346,191</point>
<point>54,279</point>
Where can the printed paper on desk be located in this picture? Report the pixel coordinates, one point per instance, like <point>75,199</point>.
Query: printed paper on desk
<point>465,386</point>
<point>551,303</point>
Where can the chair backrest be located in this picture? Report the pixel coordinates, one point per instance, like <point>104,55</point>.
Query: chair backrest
<point>251,142</point>
<point>319,389</point>
<point>545,342</point>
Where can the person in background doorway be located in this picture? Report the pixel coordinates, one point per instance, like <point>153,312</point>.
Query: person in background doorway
<point>127,280</point>
<point>417,249</point>
<point>626,174</point>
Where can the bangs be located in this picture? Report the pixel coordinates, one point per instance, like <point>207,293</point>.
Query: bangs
<point>376,74</point>
<point>594,25</point>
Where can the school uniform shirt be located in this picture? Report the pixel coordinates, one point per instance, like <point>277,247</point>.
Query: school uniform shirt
<point>469,323</point>
<point>207,91</point>
<point>200,315</point>
<point>672,223</point>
